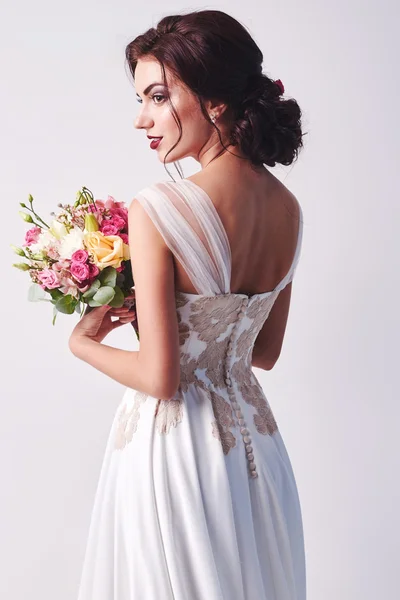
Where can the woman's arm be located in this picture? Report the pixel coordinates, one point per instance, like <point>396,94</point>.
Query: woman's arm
<point>122,365</point>
<point>268,344</point>
<point>155,368</point>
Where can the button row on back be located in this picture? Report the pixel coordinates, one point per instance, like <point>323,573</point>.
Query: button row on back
<point>236,406</point>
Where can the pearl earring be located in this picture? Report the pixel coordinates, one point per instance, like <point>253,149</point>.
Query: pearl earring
<point>213,117</point>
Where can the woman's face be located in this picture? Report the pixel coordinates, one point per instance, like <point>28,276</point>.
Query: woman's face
<point>156,119</point>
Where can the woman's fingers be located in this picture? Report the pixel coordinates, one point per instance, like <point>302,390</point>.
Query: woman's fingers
<point>123,310</point>
<point>124,320</point>
<point>125,313</point>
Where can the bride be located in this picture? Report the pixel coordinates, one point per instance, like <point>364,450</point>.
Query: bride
<point>197,499</point>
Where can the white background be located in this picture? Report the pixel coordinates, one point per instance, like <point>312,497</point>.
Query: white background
<point>67,109</point>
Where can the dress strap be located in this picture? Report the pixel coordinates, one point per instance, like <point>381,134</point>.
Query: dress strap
<point>192,230</point>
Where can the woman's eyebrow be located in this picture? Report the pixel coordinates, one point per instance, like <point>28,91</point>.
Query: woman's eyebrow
<point>149,87</point>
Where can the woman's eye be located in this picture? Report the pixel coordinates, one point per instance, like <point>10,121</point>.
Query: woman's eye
<point>157,96</point>
<point>152,97</point>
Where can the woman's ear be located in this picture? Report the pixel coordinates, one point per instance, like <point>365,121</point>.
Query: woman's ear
<point>215,107</point>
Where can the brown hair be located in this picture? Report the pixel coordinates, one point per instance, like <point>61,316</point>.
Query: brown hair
<point>216,58</point>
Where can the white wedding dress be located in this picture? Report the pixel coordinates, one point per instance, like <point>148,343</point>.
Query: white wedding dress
<point>196,498</point>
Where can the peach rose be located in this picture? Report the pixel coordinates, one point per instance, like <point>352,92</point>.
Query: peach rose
<point>107,250</point>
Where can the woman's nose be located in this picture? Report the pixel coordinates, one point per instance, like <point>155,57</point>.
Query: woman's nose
<point>142,121</point>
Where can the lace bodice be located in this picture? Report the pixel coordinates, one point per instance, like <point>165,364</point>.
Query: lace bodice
<point>217,328</point>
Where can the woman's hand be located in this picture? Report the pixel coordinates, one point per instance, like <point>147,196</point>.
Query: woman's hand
<point>96,322</point>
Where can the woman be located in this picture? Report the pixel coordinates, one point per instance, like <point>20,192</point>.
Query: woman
<point>197,499</point>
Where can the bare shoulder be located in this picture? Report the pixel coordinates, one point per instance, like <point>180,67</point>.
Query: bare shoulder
<point>264,186</point>
<point>209,182</point>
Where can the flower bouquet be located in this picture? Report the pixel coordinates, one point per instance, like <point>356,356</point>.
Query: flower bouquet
<point>82,258</point>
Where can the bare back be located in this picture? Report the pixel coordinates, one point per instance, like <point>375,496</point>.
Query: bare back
<point>261,219</point>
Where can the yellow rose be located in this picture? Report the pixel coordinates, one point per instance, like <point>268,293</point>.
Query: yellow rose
<point>106,250</point>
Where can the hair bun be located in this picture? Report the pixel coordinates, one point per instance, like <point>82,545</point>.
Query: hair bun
<point>267,127</point>
<point>260,83</point>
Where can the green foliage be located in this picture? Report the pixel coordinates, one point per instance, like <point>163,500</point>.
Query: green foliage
<point>66,304</point>
<point>118,299</point>
<point>108,277</point>
<point>104,296</point>
<point>92,290</point>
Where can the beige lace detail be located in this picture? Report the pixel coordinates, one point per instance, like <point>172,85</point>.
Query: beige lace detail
<point>168,413</point>
<point>211,315</point>
<point>183,328</point>
<point>226,438</point>
<point>223,421</point>
<point>212,319</point>
<point>253,394</point>
<point>247,383</point>
<point>127,421</point>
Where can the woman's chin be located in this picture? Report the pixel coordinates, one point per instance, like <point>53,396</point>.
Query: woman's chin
<point>170,159</point>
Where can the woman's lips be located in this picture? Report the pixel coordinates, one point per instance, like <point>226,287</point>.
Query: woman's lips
<point>155,143</point>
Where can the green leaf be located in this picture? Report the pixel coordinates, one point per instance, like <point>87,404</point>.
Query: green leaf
<point>108,277</point>
<point>66,304</point>
<point>35,293</point>
<point>93,303</point>
<point>56,294</point>
<point>105,294</point>
<point>118,299</point>
<point>92,290</point>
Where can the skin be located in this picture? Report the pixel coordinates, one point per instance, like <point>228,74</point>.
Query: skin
<point>155,368</point>
<point>199,138</point>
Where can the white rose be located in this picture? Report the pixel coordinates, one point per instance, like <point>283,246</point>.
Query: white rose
<point>71,242</point>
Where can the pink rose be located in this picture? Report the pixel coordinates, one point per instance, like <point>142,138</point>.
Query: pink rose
<point>93,270</point>
<point>122,213</point>
<point>118,221</point>
<point>31,236</point>
<point>108,228</point>
<point>124,238</point>
<point>80,271</point>
<point>80,256</point>
<point>49,278</point>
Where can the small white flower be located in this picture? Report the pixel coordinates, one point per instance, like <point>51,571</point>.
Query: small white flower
<point>58,229</point>
<point>45,239</point>
<point>71,242</point>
